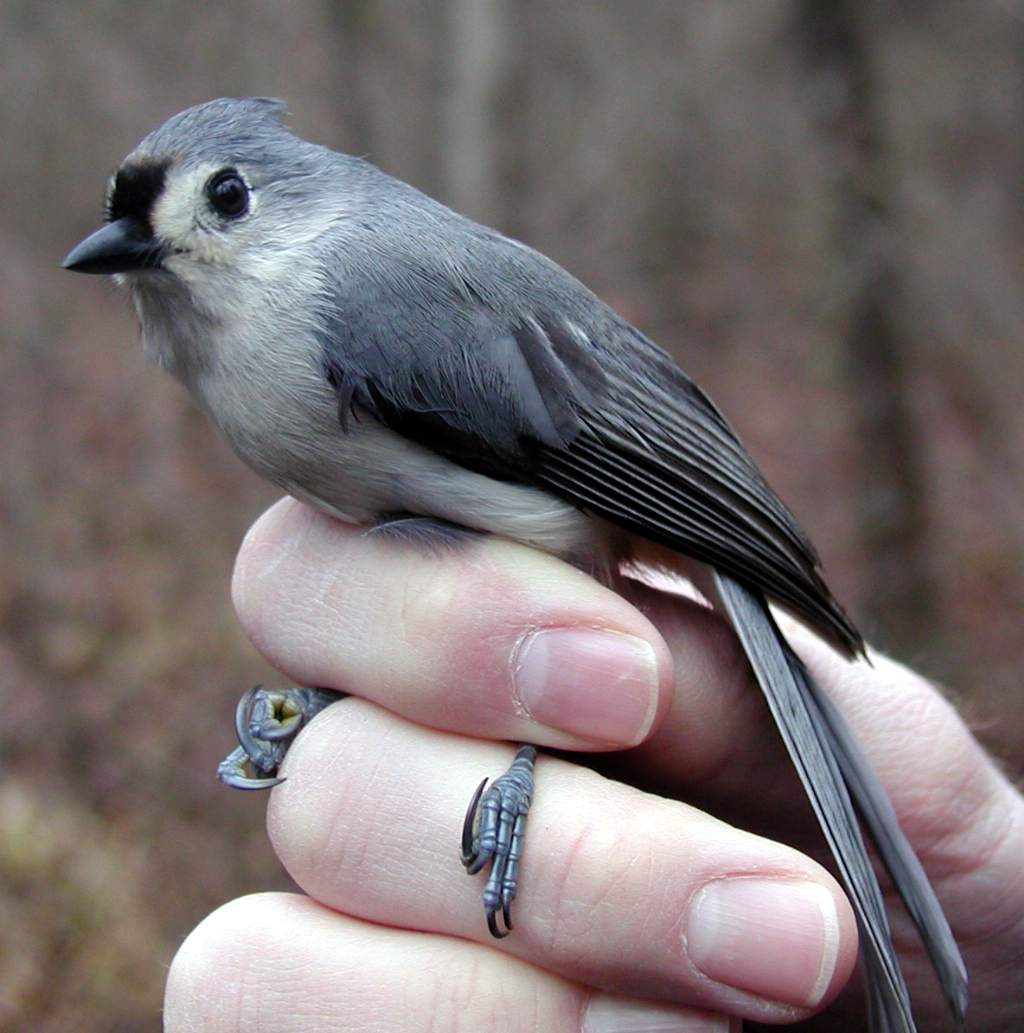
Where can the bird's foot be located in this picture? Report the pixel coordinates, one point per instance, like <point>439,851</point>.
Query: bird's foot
<point>493,831</point>
<point>266,723</point>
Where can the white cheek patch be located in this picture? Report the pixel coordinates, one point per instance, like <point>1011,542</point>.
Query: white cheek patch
<point>182,219</point>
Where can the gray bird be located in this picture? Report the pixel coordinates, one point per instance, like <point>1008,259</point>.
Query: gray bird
<point>392,363</point>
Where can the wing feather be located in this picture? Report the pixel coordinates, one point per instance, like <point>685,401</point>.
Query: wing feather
<point>527,376</point>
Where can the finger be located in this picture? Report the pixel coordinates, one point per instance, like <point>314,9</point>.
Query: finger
<point>963,816</point>
<point>619,889</point>
<point>497,640</point>
<point>487,638</point>
<point>716,743</point>
<point>282,962</point>
<point>941,782</point>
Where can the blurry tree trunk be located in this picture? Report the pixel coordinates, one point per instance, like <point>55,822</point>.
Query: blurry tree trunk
<point>474,55</point>
<point>893,518</point>
<point>348,17</point>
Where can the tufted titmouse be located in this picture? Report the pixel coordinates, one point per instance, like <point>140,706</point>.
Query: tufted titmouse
<point>383,358</point>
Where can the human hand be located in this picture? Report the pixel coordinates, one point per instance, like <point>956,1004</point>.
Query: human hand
<point>636,911</point>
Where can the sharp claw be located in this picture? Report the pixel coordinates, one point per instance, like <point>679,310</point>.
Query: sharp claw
<point>232,772</point>
<point>243,782</point>
<point>469,854</point>
<point>492,924</point>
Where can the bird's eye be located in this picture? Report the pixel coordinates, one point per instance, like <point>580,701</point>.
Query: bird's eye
<point>228,194</point>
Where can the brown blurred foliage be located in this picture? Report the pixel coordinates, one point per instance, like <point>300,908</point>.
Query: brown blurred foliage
<point>815,203</point>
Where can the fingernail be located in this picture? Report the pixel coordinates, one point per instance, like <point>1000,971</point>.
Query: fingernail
<point>600,685</point>
<point>776,938</point>
<point>607,1013</point>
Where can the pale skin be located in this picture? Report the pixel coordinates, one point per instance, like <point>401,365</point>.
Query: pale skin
<point>639,908</point>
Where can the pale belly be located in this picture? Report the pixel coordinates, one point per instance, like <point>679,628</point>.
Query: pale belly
<point>290,433</point>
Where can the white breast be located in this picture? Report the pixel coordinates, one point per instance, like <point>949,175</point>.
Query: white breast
<point>257,376</point>
<point>279,413</point>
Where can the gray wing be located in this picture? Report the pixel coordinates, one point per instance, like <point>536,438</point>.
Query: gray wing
<point>657,458</point>
<point>497,359</point>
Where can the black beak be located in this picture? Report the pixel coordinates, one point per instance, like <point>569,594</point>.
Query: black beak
<point>117,247</point>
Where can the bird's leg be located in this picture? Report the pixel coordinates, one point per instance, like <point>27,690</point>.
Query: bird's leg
<point>266,723</point>
<point>493,831</point>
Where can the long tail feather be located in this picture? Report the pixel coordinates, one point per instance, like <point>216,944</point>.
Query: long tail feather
<point>811,748</point>
<point>896,854</point>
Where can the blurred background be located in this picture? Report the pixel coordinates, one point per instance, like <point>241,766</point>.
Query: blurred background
<point>815,204</point>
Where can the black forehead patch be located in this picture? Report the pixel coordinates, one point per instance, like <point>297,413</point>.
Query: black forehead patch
<point>135,190</point>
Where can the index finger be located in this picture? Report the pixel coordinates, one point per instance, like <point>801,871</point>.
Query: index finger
<point>486,638</point>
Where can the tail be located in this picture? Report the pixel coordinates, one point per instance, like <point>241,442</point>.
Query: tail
<point>832,767</point>
<point>897,855</point>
